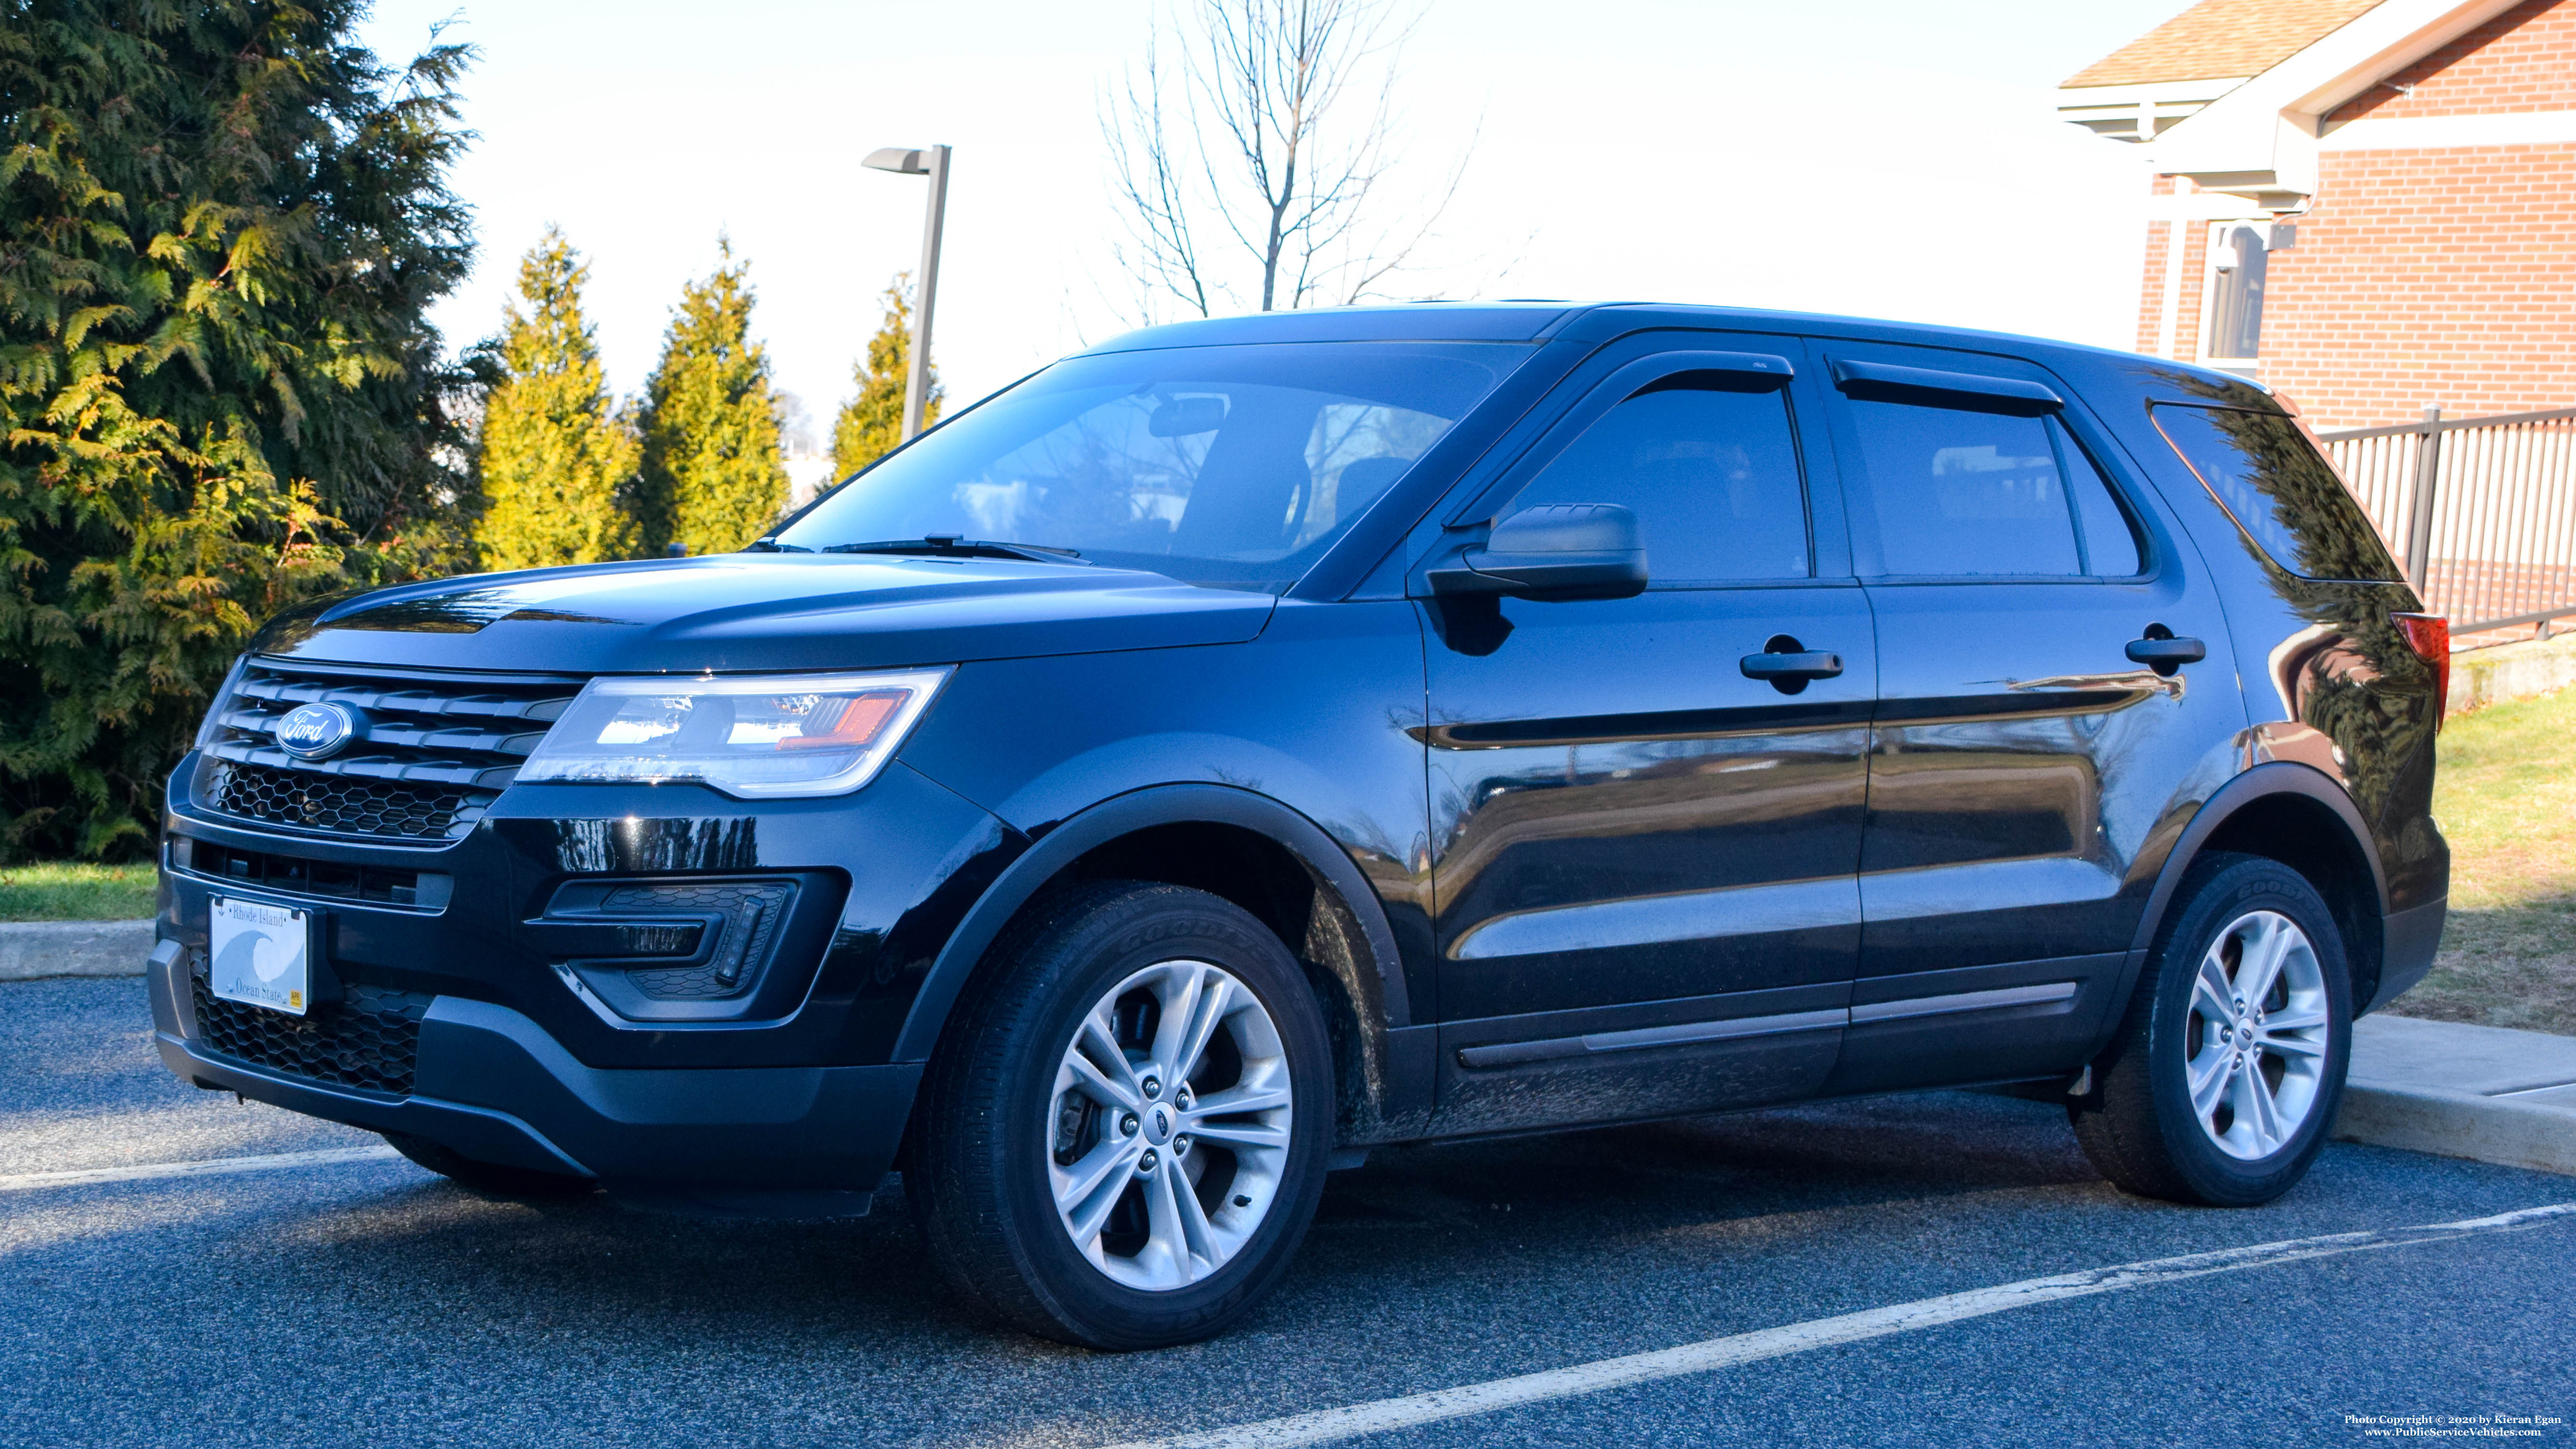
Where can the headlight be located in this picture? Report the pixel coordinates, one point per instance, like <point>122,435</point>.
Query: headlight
<point>749,735</point>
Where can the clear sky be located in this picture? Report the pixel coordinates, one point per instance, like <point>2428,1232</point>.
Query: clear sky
<point>1881,157</point>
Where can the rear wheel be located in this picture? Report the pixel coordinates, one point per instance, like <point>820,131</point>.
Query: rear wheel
<point>488,1177</point>
<point>1123,1138</point>
<point>2225,1077</point>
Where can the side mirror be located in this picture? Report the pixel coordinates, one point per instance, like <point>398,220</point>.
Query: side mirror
<point>1554,551</point>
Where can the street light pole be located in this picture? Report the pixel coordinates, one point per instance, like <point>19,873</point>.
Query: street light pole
<point>931,162</point>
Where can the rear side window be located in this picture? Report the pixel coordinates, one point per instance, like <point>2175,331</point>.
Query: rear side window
<point>1962,493</point>
<point>2267,475</point>
<point>1711,473</point>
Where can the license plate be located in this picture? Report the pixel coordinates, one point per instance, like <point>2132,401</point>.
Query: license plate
<point>261,954</point>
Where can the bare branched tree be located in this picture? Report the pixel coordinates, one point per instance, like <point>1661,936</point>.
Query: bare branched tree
<point>1254,158</point>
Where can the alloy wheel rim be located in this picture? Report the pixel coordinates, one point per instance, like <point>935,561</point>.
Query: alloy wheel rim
<point>2255,1046</point>
<point>1167,1132</point>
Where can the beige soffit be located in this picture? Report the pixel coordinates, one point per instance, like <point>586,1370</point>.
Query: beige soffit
<point>2257,138</point>
<point>2172,72</point>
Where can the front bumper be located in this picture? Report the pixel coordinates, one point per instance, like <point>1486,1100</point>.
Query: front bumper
<point>494,1086</point>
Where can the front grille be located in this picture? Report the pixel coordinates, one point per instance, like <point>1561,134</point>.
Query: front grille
<point>430,753</point>
<point>299,876</point>
<point>369,1041</point>
<point>341,806</point>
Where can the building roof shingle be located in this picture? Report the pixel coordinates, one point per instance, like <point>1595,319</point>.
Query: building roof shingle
<point>2218,38</point>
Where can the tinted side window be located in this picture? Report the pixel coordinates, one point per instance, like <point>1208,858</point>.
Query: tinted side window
<point>1711,475</point>
<point>2110,540</point>
<point>2263,470</point>
<point>1959,492</point>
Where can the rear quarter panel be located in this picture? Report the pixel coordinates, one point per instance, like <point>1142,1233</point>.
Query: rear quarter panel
<point>2328,680</point>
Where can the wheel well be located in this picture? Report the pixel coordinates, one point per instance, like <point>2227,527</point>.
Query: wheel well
<point>1299,906</point>
<point>2311,839</point>
<point>1228,861</point>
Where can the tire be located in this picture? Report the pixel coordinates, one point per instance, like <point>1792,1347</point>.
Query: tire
<point>1011,1124</point>
<point>2260,1117</point>
<point>488,1177</point>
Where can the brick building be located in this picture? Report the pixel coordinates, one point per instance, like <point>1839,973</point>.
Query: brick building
<point>2368,204</point>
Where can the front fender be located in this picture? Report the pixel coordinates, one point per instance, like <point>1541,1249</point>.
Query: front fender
<point>1137,810</point>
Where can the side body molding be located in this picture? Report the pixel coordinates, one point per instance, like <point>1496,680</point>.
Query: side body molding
<point>2273,777</point>
<point>1382,983</point>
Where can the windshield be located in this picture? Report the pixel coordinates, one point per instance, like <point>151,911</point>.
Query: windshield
<point>1233,466</point>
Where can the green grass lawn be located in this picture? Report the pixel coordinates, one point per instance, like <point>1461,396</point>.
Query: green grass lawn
<point>74,892</point>
<point>2506,797</point>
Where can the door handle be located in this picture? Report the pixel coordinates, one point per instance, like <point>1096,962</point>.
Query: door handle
<point>2163,653</point>
<point>1802,665</point>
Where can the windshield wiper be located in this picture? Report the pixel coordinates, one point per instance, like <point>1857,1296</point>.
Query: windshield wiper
<point>950,545</point>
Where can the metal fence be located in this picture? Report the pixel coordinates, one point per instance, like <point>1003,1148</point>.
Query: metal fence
<point>2482,511</point>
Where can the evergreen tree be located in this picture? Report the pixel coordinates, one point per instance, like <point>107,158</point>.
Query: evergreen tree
<point>713,477</point>
<point>221,226</point>
<point>871,422</point>
<point>555,460</point>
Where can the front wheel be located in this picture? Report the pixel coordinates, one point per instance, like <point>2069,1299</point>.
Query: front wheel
<point>1123,1136</point>
<point>2223,1080</point>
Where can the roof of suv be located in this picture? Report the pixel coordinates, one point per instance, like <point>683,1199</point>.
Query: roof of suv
<point>1538,320</point>
<point>1417,322</point>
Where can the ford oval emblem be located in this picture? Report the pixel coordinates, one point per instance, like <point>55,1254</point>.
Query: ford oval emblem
<point>316,731</point>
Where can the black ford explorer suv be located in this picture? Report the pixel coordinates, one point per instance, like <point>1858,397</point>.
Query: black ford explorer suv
<point>1250,742</point>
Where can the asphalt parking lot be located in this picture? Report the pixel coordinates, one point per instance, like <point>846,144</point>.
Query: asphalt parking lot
<point>368,1302</point>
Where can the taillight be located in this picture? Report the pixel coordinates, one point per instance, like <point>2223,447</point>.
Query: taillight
<point>2429,635</point>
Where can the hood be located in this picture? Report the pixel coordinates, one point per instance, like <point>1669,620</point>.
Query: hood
<point>763,611</point>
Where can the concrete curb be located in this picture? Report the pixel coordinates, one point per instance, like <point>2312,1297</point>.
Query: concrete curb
<point>2512,671</point>
<point>2460,1124</point>
<point>2454,1090</point>
<point>33,949</point>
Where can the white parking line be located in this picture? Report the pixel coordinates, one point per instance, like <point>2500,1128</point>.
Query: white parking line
<point>1327,1425</point>
<point>209,1167</point>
